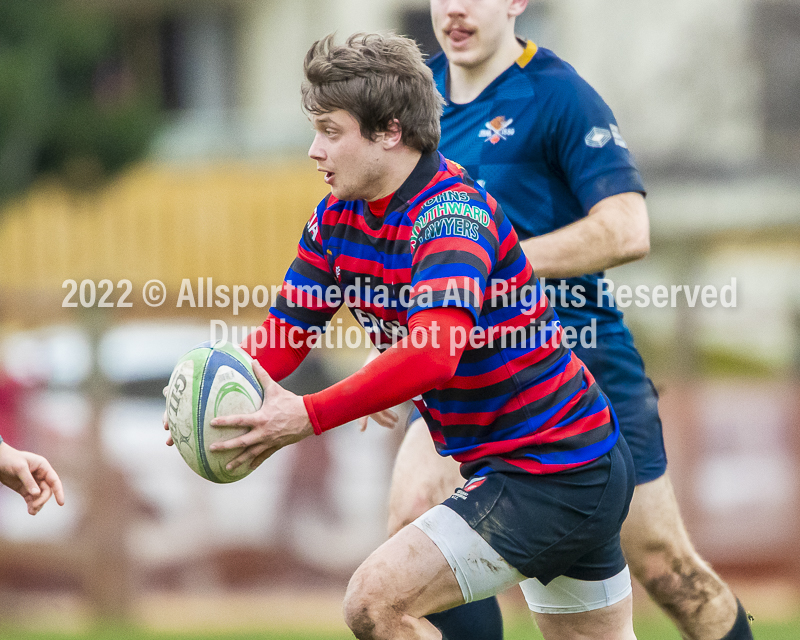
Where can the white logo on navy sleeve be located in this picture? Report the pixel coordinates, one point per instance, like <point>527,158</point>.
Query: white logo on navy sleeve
<point>618,139</point>
<point>597,137</point>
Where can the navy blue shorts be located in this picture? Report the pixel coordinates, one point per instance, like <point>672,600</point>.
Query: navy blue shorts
<point>564,523</point>
<point>618,368</point>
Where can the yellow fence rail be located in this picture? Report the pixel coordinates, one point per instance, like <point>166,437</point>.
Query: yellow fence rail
<point>237,223</point>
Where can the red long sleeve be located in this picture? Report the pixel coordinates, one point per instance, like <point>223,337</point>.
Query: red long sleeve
<point>400,373</point>
<point>278,347</point>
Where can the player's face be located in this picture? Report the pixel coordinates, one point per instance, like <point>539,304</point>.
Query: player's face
<point>471,31</point>
<point>350,162</point>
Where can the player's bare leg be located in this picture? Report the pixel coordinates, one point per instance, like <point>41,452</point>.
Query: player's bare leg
<point>421,478</point>
<point>408,578</point>
<point>402,581</point>
<point>662,558</point>
<point>610,623</point>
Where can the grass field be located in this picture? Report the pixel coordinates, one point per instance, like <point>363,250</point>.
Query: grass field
<point>649,628</point>
<point>308,615</point>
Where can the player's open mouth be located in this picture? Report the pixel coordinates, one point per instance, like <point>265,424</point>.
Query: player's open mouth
<point>329,177</point>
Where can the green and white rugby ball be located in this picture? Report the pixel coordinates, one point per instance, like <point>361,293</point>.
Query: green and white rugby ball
<point>211,380</point>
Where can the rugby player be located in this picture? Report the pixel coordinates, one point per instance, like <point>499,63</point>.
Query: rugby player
<point>527,127</point>
<point>31,476</point>
<point>429,264</point>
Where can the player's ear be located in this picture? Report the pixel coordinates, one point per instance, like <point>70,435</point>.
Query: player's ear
<point>393,134</point>
<point>517,7</point>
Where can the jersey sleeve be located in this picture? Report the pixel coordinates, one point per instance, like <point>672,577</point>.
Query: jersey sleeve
<point>454,245</point>
<point>310,294</point>
<point>587,145</point>
<point>405,370</point>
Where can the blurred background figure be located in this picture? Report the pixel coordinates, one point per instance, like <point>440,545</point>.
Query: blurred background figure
<point>161,140</point>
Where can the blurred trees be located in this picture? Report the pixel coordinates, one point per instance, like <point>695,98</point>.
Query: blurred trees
<point>69,105</point>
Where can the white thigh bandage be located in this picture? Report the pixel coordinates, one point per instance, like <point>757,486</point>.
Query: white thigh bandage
<point>481,572</point>
<point>568,595</point>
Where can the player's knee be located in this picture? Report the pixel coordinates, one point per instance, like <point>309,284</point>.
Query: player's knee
<point>653,557</point>
<point>676,579</point>
<point>360,618</point>
<point>363,613</point>
<point>657,567</point>
<point>359,614</point>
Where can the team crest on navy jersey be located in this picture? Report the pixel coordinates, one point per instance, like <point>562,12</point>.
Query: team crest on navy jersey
<point>497,129</point>
<point>474,483</point>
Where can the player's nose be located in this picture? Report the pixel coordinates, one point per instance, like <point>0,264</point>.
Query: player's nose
<point>315,151</point>
<point>454,8</point>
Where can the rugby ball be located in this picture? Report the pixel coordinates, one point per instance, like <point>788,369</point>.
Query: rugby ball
<point>211,380</point>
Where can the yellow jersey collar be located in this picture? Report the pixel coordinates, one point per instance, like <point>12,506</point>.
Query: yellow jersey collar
<point>527,55</point>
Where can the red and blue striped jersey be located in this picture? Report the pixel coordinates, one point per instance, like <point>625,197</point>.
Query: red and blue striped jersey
<point>520,401</point>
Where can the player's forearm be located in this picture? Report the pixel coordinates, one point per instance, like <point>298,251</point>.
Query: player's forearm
<point>400,373</point>
<point>369,390</point>
<point>616,231</point>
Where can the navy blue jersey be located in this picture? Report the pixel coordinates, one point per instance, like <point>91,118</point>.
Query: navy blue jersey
<point>547,147</point>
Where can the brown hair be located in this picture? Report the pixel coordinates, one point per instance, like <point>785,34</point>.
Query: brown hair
<point>377,79</point>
